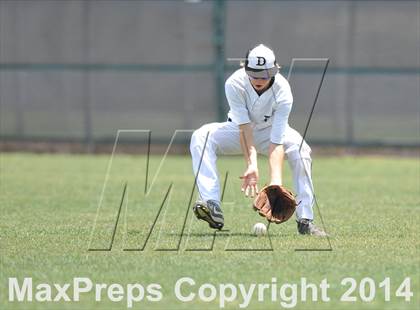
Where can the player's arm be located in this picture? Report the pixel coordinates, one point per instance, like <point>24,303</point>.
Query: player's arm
<point>250,176</point>
<point>239,114</point>
<point>276,152</point>
<point>276,158</point>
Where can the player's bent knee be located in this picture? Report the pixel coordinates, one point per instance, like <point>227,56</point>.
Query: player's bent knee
<point>194,140</point>
<point>198,139</point>
<point>295,154</point>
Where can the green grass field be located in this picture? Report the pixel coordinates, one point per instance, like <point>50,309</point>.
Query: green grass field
<point>49,205</point>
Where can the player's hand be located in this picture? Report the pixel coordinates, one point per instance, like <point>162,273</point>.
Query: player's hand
<point>250,180</point>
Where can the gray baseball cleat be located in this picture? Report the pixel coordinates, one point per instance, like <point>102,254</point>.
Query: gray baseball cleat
<point>307,227</point>
<point>210,212</point>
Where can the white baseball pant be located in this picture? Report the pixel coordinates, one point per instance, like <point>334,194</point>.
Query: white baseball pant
<point>215,139</point>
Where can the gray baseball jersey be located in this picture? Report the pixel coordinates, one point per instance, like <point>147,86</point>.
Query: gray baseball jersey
<point>272,108</point>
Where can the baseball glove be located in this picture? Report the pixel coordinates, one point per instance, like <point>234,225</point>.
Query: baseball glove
<point>275,203</point>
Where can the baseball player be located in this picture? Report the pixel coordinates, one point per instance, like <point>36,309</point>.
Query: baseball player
<point>260,102</point>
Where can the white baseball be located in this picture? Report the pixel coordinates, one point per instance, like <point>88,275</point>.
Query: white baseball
<point>259,229</point>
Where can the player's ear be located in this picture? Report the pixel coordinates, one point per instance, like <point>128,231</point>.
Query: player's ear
<point>246,59</point>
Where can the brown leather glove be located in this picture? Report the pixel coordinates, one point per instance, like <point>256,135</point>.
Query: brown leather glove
<point>276,203</point>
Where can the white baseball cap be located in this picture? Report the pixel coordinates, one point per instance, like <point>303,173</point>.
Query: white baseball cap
<point>260,62</point>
